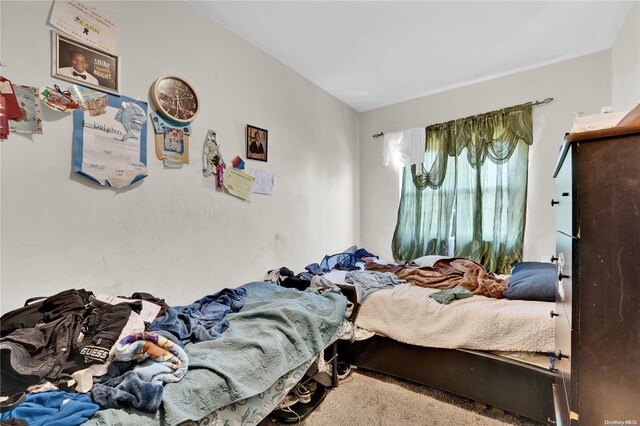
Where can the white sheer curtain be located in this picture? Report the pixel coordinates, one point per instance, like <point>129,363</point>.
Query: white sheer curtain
<point>404,148</point>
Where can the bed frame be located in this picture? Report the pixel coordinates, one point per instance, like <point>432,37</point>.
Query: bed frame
<point>483,377</point>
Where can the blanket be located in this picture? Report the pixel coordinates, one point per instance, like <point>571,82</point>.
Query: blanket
<point>448,273</point>
<point>407,314</point>
<point>160,360</point>
<point>277,330</point>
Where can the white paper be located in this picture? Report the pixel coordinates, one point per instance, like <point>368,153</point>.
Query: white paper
<point>264,183</point>
<point>105,156</point>
<point>84,23</point>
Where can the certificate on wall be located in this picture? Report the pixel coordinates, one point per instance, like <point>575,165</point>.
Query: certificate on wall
<point>85,23</point>
<point>238,183</point>
<point>110,143</point>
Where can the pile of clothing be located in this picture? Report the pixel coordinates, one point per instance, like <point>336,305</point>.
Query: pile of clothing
<point>75,352</point>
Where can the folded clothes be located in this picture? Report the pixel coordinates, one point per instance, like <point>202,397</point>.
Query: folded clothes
<point>55,408</point>
<point>160,360</point>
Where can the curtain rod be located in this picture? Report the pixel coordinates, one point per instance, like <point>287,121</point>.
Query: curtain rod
<point>536,103</point>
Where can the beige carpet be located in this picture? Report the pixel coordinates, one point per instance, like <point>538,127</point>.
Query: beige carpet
<point>372,399</point>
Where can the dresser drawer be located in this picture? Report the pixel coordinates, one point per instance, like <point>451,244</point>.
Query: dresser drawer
<point>564,273</point>
<point>563,201</point>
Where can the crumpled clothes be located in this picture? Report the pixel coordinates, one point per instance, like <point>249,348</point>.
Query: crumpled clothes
<point>320,284</point>
<point>203,320</point>
<point>447,296</point>
<point>367,282</point>
<point>54,408</point>
<point>127,390</point>
<point>277,276</point>
<point>159,359</point>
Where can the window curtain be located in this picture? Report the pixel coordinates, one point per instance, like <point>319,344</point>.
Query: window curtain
<point>472,191</point>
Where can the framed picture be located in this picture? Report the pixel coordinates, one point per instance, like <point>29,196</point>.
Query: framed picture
<point>257,143</point>
<point>80,64</point>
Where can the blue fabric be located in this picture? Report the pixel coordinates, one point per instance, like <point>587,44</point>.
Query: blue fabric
<point>360,253</point>
<point>277,330</point>
<point>128,390</point>
<point>532,281</point>
<point>55,408</point>
<point>335,261</point>
<point>203,320</point>
<point>315,269</point>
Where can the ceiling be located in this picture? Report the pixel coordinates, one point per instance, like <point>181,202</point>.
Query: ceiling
<point>370,54</point>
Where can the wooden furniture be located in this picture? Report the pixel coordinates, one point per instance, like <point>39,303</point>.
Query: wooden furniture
<point>598,257</point>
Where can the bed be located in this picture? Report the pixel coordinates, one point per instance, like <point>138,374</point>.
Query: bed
<point>494,351</point>
<point>241,376</point>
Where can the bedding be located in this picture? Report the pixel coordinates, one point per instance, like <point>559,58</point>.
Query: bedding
<point>407,314</point>
<point>448,273</point>
<point>276,331</point>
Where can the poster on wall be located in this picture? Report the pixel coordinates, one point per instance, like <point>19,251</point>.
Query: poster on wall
<point>110,141</point>
<point>84,23</point>
<point>30,120</point>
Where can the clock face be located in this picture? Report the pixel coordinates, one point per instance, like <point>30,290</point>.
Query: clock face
<point>175,98</point>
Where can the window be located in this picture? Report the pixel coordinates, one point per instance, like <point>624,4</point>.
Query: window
<point>471,199</point>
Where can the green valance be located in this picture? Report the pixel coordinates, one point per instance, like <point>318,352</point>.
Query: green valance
<point>493,135</point>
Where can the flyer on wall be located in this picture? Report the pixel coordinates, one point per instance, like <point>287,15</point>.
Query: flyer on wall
<point>85,23</point>
<point>110,140</point>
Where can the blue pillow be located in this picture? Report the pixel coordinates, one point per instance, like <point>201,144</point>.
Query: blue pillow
<point>532,281</point>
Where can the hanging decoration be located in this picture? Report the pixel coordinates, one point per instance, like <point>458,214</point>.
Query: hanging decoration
<point>171,140</point>
<point>213,164</point>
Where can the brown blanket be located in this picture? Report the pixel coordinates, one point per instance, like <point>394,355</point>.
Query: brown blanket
<point>448,273</point>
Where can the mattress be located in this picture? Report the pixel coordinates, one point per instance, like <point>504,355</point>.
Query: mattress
<point>407,314</point>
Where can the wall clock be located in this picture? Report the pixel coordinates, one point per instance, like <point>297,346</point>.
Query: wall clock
<point>175,98</point>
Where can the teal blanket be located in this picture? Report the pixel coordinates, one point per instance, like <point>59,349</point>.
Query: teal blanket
<point>277,330</point>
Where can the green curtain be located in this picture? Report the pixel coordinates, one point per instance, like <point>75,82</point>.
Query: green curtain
<point>473,191</point>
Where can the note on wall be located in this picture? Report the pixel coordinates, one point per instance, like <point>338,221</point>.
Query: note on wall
<point>264,183</point>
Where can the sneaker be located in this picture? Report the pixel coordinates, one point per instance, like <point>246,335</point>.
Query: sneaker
<point>289,400</point>
<point>344,370</point>
<point>303,393</point>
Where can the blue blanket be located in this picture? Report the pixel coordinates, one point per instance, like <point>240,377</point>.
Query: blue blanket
<point>277,330</point>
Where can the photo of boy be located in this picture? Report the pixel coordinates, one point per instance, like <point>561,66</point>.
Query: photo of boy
<point>78,68</point>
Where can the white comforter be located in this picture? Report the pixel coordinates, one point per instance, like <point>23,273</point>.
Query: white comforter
<point>406,313</point>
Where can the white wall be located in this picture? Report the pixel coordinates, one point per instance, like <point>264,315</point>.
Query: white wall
<point>172,234</point>
<point>625,63</point>
<point>582,84</point>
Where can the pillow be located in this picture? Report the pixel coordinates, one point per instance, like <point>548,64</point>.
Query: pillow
<point>429,260</point>
<point>532,281</point>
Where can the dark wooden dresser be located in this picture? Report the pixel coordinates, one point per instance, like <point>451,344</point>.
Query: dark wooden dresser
<point>597,310</point>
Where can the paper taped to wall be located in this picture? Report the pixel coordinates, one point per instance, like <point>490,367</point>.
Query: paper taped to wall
<point>264,183</point>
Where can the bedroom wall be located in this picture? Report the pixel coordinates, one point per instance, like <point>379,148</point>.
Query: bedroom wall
<point>582,84</point>
<point>625,63</point>
<point>172,234</point>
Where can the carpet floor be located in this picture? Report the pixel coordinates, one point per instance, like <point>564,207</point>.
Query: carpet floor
<point>372,399</point>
